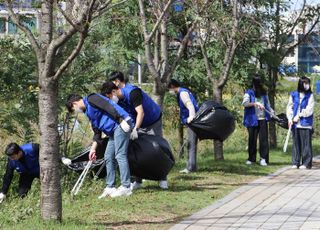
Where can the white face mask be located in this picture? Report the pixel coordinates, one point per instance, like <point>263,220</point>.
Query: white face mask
<point>115,99</point>
<point>78,110</point>
<point>306,87</point>
<point>172,92</point>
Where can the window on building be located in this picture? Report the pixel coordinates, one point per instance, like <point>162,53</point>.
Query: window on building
<point>2,25</point>
<point>12,28</point>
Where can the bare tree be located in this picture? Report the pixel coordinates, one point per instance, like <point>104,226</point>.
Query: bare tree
<point>212,30</point>
<point>78,18</point>
<point>156,44</point>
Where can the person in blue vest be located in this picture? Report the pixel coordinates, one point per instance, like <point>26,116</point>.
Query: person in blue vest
<point>25,160</point>
<point>300,116</point>
<point>188,108</point>
<point>107,117</point>
<point>145,112</point>
<point>256,102</point>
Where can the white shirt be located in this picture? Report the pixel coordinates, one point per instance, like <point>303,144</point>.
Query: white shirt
<point>307,112</point>
<point>185,98</point>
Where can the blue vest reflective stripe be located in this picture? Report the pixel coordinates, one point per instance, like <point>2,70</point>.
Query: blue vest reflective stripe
<point>304,121</point>
<point>31,161</point>
<point>101,120</point>
<point>152,111</point>
<point>250,117</point>
<point>184,112</point>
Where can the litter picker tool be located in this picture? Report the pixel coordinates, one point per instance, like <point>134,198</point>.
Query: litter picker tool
<point>287,140</point>
<point>82,176</point>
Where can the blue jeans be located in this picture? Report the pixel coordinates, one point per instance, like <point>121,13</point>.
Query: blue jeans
<point>116,152</point>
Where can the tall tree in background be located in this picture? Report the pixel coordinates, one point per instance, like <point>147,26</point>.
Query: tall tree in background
<point>47,45</point>
<point>281,24</point>
<point>161,63</point>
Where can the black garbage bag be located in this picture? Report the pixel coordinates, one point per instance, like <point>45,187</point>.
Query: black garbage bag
<point>79,162</point>
<point>150,157</point>
<point>282,120</point>
<point>213,121</point>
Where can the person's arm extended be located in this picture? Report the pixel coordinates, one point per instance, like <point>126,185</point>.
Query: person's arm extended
<point>290,109</point>
<point>246,101</point>
<point>104,106</point>
<point>185,98</point>
<point>136,100</point>
<point>7,178</point>
<point>308,111</point>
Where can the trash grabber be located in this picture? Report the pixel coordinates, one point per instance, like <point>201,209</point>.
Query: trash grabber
<point>82,176</point>
<point>100,169</point>
<point>287,140</point>
<point>272,115</point>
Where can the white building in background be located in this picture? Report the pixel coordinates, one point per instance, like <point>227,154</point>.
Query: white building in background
<point>22,7</point>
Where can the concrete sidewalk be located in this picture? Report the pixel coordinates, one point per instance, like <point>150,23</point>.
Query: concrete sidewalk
<point>288,199</point>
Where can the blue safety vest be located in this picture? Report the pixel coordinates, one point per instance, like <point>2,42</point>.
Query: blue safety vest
<point>31,161</point>
<point>152,111</point>
<point>250,117</point>
<point>304,121</point>
<point>184,112</point>
<point>101,120</point>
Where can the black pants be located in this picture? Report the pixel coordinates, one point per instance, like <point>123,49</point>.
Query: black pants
<point>302,147</point>
<point>262,131</point>
<point>25,182</point>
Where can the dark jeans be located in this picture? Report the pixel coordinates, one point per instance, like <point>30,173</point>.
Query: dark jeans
<point>25,182</point>
<point>302,147</point>
<point>262,131</point>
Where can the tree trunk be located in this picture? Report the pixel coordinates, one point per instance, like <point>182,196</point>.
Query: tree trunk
<point>158,92</point>
<point>51,201</point>
<point>218,145</point>
<point>272,95</point>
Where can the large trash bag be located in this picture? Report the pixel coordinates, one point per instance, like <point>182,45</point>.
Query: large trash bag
<point>150,157</point>
<point>213,121</point>
<point>282,120</point>
<point>79,162</point>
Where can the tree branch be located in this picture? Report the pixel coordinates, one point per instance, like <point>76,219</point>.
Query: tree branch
<point>15,18</point>
<point>71,57</point>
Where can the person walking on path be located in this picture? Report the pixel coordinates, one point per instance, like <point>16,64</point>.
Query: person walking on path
<point>255,102</point>
<point>300,116</point>
<point>188,108</point>
<point>107,117</point>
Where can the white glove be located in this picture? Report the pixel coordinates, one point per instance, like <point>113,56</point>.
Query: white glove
<point>2,197</point>
<point>134,134</point>
<point>189,119</point>
<point>296,119</point>
<point>125,126</point>
<point>66,161</point>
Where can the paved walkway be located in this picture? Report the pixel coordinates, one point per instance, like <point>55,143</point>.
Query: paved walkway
<point>288,199</point>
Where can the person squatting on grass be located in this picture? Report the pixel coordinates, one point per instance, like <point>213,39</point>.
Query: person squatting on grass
<point>300,116</point>
<point>146,114</point>
<point>188,108</point>
<point>107,117</point>
<point>255,102</point>
<point>25,160</point>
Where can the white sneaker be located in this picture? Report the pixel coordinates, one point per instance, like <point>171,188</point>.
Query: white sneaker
<point>121,191</point>
<point>302,167</point>
<point>135,185</point>
<point>107,192</point>
<point>294,167</point>
<point>186,171</point>
<point>163,184</point>
<point>249,162</point>
<point>263,162</point>
<point>66,161</point>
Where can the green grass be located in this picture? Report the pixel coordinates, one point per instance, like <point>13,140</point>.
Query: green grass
<point>150,207</point>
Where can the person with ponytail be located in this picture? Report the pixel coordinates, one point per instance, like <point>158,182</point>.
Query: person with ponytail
<point>256,102</point>
<point>300,116</point>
